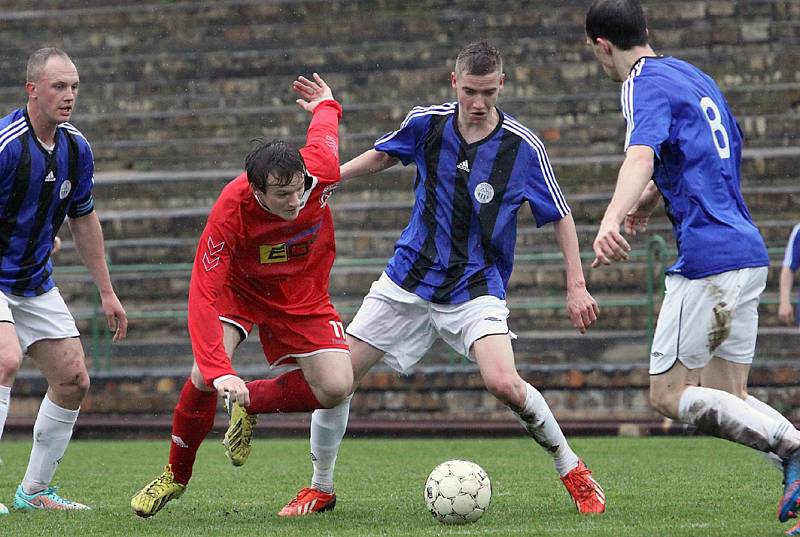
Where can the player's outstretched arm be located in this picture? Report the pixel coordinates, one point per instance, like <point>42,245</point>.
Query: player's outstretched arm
<point>785,309</point>
<point>88,238</point>
<point>311,92</point>
<point>367,163</point>
<point>581,306</point>
<point>634,174</point>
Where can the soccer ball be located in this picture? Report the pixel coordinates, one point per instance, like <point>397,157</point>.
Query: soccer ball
<point>457,492</point>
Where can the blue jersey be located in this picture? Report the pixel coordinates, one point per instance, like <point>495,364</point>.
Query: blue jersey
<point>459,242</point>
<point>791,259</point>
<point>37,191</point>
<point>678,111</point>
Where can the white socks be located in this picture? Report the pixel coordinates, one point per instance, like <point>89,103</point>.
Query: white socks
<point>540,423</point>
<point>51,434</point>
<point>767,410</point>
<point>721,414</point>
<point>327,430</point>
<point>5,400</point>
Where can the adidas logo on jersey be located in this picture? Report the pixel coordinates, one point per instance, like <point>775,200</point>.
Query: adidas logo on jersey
<point>463,166</point>
<point>50,177</point>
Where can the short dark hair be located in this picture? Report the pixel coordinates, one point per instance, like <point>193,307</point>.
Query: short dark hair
<point>276,158</point>
<point>479,58</point>
<point>38,59</point>
<point>620,21</point>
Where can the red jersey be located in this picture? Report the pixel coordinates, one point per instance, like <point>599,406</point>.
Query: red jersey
<point>270,262</point>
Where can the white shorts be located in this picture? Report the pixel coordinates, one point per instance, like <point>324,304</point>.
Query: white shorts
<point>404,326</point>
<point>38,317</point>
<point>713,316</point>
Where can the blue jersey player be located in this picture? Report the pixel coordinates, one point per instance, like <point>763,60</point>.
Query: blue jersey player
<point>684,145</point>
<point>791,264</point>
<point>476,167</point>
<point>46,175</point>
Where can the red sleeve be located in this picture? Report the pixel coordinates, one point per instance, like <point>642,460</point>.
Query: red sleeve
<point>321,152</point>
<point>210,270</point>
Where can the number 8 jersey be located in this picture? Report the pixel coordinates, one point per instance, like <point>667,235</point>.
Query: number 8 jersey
<point>679,111</point>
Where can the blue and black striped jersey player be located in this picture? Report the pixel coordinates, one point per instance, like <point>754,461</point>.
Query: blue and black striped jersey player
<point>46,175</point>
<point>684,145</point>
<point>476,167</point>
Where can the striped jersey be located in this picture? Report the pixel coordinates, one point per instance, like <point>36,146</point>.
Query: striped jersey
<point>680,112</point>
<point>459,242</point>
<point>38,190</point>
<point>791,259</point>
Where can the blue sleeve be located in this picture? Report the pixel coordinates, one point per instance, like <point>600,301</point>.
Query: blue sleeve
<point>792,258</point>
<point>82,200</point>
<point>402,143</point>
<point>647,112</point>
<point>541,189</point>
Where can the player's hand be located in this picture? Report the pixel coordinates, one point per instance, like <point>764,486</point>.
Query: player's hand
<point>638,217</point>
<point>115,316</point>
<point>56,246</point>
<point>636,221</point>
<point>582,308</point>
<point>609,245</point>
<point>786,313</point>
<point>311,92</point>
<point>236,389</point>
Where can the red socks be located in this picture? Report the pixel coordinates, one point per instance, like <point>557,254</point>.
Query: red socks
<point>192,421</point>
<point>287,393</point>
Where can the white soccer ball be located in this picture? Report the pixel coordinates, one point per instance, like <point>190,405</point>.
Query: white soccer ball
<point>457,492</point>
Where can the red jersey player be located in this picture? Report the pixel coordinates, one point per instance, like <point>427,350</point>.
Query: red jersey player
<point>263,259</point>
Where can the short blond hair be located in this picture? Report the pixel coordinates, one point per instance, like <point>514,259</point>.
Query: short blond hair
<point>38,59</point>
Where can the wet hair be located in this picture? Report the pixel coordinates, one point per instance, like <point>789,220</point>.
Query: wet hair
<point>620,21</point>
<point>276,158</point>
<point>38,59</point>
<point>479,58</point>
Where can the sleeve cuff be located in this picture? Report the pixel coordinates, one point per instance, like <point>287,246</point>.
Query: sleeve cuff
<point>219,380</point>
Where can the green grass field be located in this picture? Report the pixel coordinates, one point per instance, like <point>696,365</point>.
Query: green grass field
<point>655,487</point>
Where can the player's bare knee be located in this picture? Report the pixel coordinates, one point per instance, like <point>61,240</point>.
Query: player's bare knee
<point>333,393</point>
<point>72,387</point>
<point>10,362</point>
<point>507,388</point>
<point>664,402</point>
<point>198,381</point>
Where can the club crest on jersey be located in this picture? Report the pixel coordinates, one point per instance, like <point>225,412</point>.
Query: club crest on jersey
<point>326,193</point>
<point>63,192</point>
<point>484,193</point>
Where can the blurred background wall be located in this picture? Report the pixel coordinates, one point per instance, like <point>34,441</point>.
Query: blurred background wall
<point>172,93</point>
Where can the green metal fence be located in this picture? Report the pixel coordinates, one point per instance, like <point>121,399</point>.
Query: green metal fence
<point>657,254</point>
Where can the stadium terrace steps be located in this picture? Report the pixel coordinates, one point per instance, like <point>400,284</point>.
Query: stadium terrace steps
<point>173,92</point>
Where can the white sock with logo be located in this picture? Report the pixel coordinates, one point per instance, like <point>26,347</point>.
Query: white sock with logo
<point>767,410</point>
<point>5,401</point>
<point>721,414</point>
<point>51,434</point>
<point>327,430</point>
<point>542,426</point>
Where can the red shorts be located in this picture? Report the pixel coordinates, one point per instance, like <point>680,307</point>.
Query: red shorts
<point>285,337</point>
